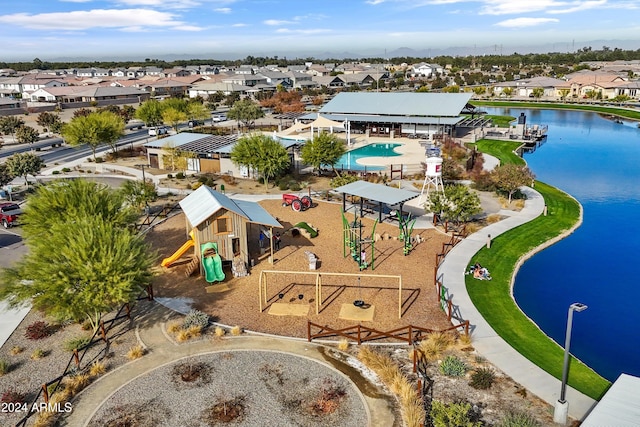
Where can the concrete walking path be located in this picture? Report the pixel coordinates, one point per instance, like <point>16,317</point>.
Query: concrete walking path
<point>485,339</point>
<point>161,350</point>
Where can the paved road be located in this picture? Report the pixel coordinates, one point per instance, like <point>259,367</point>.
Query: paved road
<point>11,250</point>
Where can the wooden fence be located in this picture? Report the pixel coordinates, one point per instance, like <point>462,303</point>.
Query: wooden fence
<point>48,389</point>
<point>360,333</point>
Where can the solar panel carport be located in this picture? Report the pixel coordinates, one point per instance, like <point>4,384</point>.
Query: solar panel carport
<point>382,194</point>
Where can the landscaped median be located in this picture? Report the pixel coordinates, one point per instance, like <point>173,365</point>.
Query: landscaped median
<point>496,303</point>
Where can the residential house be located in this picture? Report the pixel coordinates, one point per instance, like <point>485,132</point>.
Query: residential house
<point>318,70</point>
<point>276,78</point>
<point>175,72</point>
<point>245,79</point>
<point>204,89</point>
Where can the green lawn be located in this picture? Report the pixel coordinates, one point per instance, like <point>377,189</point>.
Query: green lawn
<point>503,150</point>
<point>621,112</point>
<point>494,301</point>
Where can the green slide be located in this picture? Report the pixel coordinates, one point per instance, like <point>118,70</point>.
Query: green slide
<point>212,264</point>
<point>306,226</point>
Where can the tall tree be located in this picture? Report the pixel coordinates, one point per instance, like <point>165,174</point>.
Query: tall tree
<point>262,153</point>
<point>456,203</point>
<point>49,121</point>
<point>9,124</point>
<point>197,111</point>
<point>5,174</point>
<point>245,112</point>
<point>510,177</point>
<point>27,135</point>
<point>86,263</point>
<point>98,128</point>
<point>323,150</point>
<point>150,112</point>
<point>138,194</point>
<point>24,164</point>
<point>173,117</point>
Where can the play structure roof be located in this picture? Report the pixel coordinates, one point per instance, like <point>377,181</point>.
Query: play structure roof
<point>378,192</point>
<point>205,201</point>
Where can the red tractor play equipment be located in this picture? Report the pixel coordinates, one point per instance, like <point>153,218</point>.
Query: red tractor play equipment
<point>297,203</point>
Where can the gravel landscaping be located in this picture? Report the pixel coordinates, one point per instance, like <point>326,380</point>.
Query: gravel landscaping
<point>258,387</point>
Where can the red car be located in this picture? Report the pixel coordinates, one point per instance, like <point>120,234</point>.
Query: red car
<point>9,213</point>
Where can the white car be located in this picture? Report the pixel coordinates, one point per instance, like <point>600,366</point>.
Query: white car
<point>219,118</point>
<point>160,130</point>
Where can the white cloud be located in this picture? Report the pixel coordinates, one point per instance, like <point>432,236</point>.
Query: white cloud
<point>276,22</point>
<point>374,2</point>
<point>508,7</point>
<point>97,18</point>
<point>187,28</point>
<point>223,10</point>
<point>525,22</point>
<point>580,7</point>
<point>302,31</point>
<point>240,25</point>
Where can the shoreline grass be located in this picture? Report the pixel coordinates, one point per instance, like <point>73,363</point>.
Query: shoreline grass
<point>496,303</point>
<point>614,111</point>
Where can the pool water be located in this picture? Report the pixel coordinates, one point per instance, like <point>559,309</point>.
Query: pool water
<point>350,159</point>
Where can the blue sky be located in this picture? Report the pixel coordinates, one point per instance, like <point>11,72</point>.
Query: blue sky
<point>230,29</point>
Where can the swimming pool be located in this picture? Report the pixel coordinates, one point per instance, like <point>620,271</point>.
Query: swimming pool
<point>350,159</point>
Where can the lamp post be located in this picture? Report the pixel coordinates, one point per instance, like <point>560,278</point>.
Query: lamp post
<point>561,409</point>
<point>144,185</point>
<point>142,167</point>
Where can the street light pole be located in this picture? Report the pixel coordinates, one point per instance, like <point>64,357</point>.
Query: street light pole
<point>561,409</point>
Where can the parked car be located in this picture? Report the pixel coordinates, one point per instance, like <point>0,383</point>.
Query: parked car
<point>9,213</point>
<point>158,130</point>
<point>219,118</point>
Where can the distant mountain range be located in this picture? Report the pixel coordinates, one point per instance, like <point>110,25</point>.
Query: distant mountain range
<point>497,49</point>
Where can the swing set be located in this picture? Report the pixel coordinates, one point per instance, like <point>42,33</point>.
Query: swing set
<point>266,275</point>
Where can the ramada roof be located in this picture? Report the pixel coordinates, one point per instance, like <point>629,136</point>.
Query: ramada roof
<point>398,104</point>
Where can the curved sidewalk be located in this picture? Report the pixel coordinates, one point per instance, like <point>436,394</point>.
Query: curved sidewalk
<point>485,340</point>
<point>161,350</point>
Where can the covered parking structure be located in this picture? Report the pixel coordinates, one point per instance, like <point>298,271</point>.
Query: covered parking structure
<point>376,195</point>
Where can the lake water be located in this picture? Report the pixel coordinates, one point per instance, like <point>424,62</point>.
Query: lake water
<point>597,161</point>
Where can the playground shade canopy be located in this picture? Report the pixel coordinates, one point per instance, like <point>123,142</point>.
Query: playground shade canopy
<point>380,193</point>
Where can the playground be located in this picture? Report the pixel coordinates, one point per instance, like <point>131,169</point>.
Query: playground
<point>394,289</point>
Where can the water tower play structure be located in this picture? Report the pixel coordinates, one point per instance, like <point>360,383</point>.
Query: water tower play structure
<point>433,173</point>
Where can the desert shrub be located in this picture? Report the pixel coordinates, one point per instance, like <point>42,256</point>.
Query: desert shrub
<point>13,396</point>
<point>4,367</point>
<point>99,160</point>
<point>482,378</point>
<point>189,187</point>
<point>219,331</point>
<point>436,344</point>
<point>135,352</point>
<point>74,383</point>
<point>493,218</point>
<point>16,349</point>
<point>452,415</point>
<point>339,181</point>
<point>97,368</point>
<point>174,327</point>
<point>236,330</point>
<point>518,419</point>
<point>170,175</point>
<point>283,185</point>
<point>195,318</point>
<point>76,343</point>
<point>38,330</point>
<point>229,179</point>
<point>452,366</point>
<point>56,172</point>
<point>194,331</point>
<point>66,170</point>
<point>38,353</point>
<point>294,186</point>
<point>196,185</point>
<point>343,344</point>
<point>180,175</point>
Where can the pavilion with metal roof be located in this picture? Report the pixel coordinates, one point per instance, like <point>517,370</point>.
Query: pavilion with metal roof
<point>382,195</point>
<point>395,113</point>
